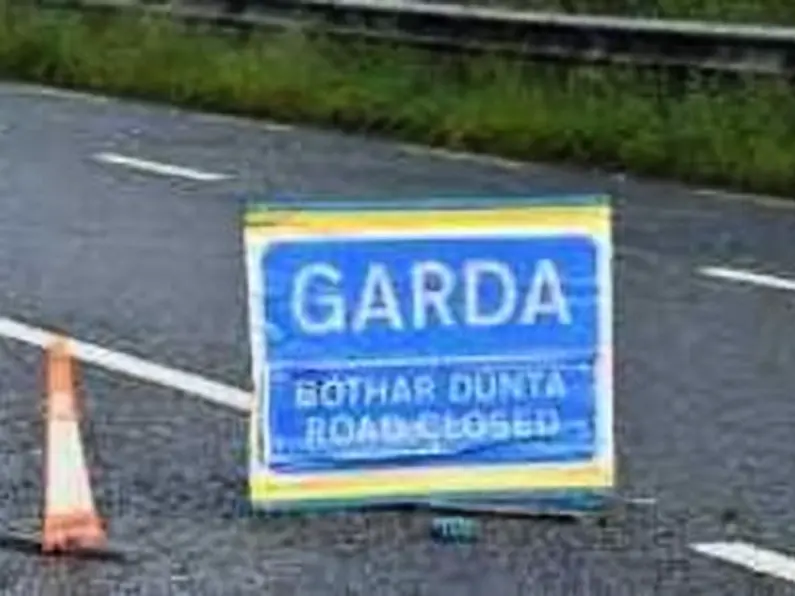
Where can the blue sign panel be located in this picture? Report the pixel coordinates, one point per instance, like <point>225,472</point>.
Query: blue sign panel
<point>428,351</point>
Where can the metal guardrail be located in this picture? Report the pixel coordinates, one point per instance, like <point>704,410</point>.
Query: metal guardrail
<point>535,36</point>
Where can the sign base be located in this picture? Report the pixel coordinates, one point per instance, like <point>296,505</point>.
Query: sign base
<point>552,503</point>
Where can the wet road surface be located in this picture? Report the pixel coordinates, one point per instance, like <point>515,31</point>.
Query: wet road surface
<point>150,263</point>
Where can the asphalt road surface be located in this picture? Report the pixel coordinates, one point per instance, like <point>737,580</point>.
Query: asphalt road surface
<point>145,259</point>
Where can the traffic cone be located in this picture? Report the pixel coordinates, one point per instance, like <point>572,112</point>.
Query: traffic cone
<point>71,521</point>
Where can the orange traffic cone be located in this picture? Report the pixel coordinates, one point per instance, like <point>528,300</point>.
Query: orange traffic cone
<point>71,521</point>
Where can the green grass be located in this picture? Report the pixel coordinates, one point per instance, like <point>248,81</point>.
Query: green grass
<point>780,12</point>
<point>741,136</point>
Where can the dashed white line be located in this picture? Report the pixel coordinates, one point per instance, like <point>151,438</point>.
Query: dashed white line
<point>749,277</point>
<point>749,556</point>
<point>133,366</point>
<point>162,169</point>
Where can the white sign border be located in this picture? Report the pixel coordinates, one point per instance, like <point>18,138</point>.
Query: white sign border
<point>604,396</point>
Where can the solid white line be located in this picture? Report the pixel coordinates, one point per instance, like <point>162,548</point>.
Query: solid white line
<point>67,94</point>
<point>228,119</point>
<point>159,168</point>
<point>72,95</point>
<point>768,201</point>
<point>451,155</point>
<point>751,557</point>
<point>211,391</point>
<point>749,277</point>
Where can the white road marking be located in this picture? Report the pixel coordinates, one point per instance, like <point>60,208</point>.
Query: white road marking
<point>451,155</point>
<point>89,97</point>
<point>751,557</point>
<point>155,167</point>
<point>133,366</point>
<point>761,200</point>
<point>231,120</point>
<point>768,201</point>
<point>749,277</point>
<point>67,94</point>
<point>641,501</point>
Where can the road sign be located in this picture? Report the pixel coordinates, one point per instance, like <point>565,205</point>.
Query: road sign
<point>444,348</point>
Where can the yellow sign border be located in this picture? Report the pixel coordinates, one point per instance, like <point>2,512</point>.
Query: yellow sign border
<point>266,486</point>
<point>590,220</point>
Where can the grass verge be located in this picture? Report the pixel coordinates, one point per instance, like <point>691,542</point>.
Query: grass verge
<point>740,135</point>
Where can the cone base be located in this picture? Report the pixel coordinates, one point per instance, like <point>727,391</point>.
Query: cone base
<point>33,544</point>
<point>73,531</point>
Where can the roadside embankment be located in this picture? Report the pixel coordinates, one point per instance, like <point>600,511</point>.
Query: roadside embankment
<point>740,134</point>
